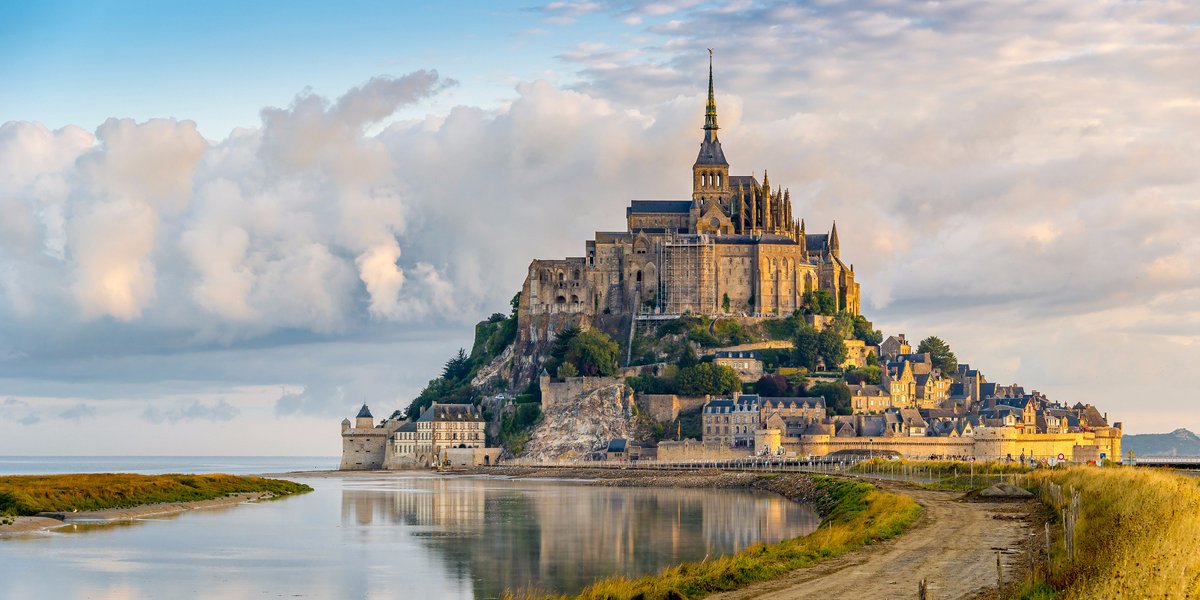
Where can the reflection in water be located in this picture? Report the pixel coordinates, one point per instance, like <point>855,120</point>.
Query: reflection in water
<point>560,536</point>
<point>402,536</point>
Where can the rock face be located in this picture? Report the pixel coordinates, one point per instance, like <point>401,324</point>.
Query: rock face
<point>585,424</point>
<point>1005,490</point>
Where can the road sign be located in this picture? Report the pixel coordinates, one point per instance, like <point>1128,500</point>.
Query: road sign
<point>1062,456</point>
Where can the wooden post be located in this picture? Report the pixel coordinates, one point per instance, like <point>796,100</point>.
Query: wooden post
<point>999,576</point>
<point>1049,565</point>
<point>922,590</point>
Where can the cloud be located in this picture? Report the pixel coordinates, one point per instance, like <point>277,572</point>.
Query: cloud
<point>78,413</point>
<point>194,411</point>
<point>313,399</point>
<point>1017,181</point>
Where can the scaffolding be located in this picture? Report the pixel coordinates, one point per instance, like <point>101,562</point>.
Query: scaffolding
<point>687,275</point>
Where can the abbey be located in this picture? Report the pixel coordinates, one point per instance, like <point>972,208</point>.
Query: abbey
<point>733,248</point>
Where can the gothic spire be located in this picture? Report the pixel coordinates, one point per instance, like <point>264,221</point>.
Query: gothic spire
<point>710,146</point>
<point>834,247</point>
<point>710,110</point>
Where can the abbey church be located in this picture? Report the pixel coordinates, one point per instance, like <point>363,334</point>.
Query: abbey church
<point>734,248</point>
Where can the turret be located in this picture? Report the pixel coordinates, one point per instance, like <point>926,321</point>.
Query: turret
<point>364,420</point>
<point>345,424</point>
<point>803,240</point>
<point>834,247</point>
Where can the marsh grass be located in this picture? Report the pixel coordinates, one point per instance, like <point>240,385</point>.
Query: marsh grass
<point>1136,536</point>
<point>30,494</point>
<point>855,514</point>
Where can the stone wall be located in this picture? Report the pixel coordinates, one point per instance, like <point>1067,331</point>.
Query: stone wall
<point>988,443</point>
<point>363,449</point>
<point>666,407</point>
<point>689,450</point>
<point>555,393</point>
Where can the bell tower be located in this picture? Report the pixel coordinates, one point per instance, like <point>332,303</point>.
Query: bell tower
<point>710,174</point>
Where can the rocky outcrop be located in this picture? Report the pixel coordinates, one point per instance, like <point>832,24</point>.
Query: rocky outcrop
<point>585,424</point>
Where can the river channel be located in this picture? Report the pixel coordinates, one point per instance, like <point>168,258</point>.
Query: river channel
<point>399,536</point>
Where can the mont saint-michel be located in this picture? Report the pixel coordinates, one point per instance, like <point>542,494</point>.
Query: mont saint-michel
<point>715,327</point>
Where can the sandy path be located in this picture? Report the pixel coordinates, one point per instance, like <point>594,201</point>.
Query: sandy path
<point>953,545</point>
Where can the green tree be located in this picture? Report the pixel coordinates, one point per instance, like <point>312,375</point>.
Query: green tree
<point>687,357</point>
<point>772,386</point>
<point>567,370</point>
<point>708,378</point>
<point>725,302</point>
<point>593,353</point>
<point>869,375</point>
<point>806,346</point>
<point>941,355</point>
<point>837,396</point>
<point>831,347</point>
<point>458,367</point>
<point>516,304</point>
<point>865,331</point>
<point>819,302</point>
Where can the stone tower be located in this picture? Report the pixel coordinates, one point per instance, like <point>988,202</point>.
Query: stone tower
<point>710,174</point>
<point>364,420</point>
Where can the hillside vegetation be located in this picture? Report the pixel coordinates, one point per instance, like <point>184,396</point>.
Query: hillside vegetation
<point>25,495</point>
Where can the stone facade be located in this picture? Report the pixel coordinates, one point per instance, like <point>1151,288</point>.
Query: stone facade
<point>734,247</point>
<point>395,444</point>
<point>364,446</point>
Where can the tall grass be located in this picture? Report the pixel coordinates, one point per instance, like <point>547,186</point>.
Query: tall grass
<point>941,468</point>
<point>31,494</point>
<point>854,514</point>
<point>1136,536</point>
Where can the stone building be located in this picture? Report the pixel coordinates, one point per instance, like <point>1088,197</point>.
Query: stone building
<point>733,247</point>
<point>749,368</point>
<point>444,434</point>
<point>440,429</point>
<point>364,446</point>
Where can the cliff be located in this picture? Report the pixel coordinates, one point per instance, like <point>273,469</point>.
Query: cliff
<point>584,420</point>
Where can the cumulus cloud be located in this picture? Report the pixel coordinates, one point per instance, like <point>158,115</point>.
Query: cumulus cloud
<point>1011,178</point>
<point>193,411</point>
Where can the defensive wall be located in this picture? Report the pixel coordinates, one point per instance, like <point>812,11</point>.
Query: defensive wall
<point>666,407</point>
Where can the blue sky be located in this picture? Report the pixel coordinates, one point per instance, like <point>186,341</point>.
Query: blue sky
<point>1020,180</point>
<point>219,62</point>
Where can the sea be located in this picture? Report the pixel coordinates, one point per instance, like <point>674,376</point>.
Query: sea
<point>158,465</point>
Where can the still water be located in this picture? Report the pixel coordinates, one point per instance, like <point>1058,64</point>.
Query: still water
<point>399,536</point>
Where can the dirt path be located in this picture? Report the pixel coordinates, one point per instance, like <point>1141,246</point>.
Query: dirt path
<point>953,545</point>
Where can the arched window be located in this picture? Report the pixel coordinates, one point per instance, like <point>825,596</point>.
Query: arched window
<point>576,274</point>
<point>638,276</point>
<point>574,299</point>
<point>561,276</point>
<point>561,300</point>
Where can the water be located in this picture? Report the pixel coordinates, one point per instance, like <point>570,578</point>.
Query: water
<point>156,465</point>
<point>399,536</point>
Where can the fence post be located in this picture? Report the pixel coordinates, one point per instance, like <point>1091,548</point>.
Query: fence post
<point>999,576</point>
<point>922,590</point>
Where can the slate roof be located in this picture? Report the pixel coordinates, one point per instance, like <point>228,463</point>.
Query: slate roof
<point>736,354</point>
<point>711,153</point>
<point>618,445</point>
<point>364,412</point>
<point>450,412</point>
<point>736,181</point>
<point>675,207</point>
<point>409,426</point>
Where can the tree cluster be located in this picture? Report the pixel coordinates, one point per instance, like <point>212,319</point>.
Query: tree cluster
<point>940,354</point>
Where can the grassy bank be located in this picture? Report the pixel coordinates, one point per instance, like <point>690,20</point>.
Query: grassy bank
<point>1135,537</point>
<point>30,494</point>
<point>854,514</point>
